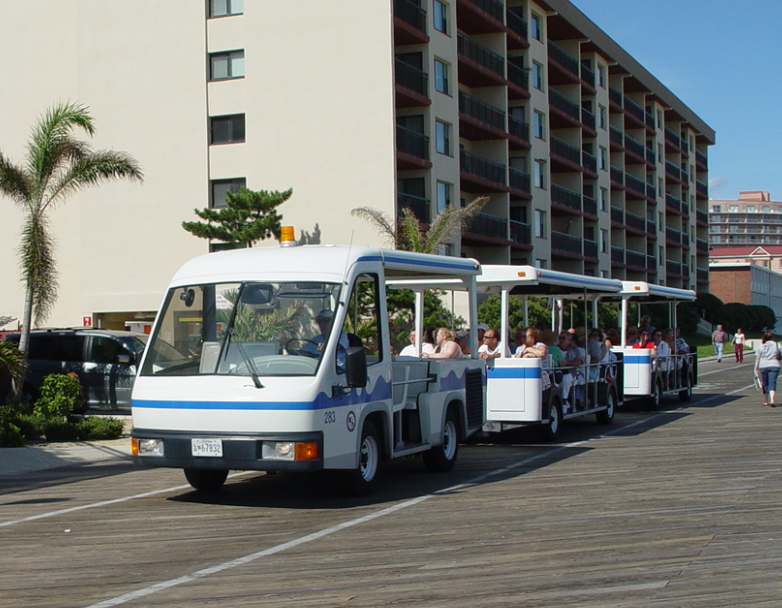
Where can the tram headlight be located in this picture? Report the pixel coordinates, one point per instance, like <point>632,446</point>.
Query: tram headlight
<point>290,450</point>
<point>147,447</point>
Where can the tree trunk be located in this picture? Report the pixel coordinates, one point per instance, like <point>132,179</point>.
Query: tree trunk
<point>24,338</point>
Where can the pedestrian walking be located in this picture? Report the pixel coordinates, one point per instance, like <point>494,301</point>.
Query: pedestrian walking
<point>718,339</point>
<point>767,357</point>
<point>738,345</point>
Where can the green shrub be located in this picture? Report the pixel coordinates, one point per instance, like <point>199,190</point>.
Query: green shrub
<point>59,396</point>
<point>11,435</point>
<point>97,427</point>
<point>60,430</point>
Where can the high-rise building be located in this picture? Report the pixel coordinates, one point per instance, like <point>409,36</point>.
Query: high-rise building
<point>591,165</point>
<point>752,220</point>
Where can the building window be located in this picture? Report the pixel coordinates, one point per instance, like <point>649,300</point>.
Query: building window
<point>733,208</point>
<point>540,224</point>
<point>226,129</point>
<point>601,117</point>
<point>223,8</point>
<point>440,18</point>
<point>540,173</point>
<point>601,75</point>
<point>537,75</point>
<point>603,240</point>
<point>441,76</point>
<point>602,158</point>
<point>443,196</point>
<point>221,187</point>
<point>603,199</point>
<point>442,137</point>
<point>536,26</point>
<point>539,125</point>
<point>226,65</point>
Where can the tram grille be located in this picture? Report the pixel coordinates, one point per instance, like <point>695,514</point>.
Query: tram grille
<point>473,384</point>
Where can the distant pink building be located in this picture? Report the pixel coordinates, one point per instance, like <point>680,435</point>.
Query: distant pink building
<point>753,219</point>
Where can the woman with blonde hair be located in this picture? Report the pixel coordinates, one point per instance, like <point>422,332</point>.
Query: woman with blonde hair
<point>446,346</point>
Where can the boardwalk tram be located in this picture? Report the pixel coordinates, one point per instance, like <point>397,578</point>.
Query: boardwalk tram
<point>523,391</point>
<point>279,359</point>
<point>647,375</point>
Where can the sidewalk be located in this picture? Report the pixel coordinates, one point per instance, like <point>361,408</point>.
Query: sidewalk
<point>44,456</point>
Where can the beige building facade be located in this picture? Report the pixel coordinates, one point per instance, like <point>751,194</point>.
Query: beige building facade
<point>591,165</point>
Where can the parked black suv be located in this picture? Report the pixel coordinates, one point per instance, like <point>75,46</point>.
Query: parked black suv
<point>104,360</point>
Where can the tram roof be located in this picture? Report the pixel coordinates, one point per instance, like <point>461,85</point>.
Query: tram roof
<point>529,280</point>
<point>650,291</point>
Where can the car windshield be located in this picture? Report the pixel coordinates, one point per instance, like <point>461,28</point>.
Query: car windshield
<point>258,329</point>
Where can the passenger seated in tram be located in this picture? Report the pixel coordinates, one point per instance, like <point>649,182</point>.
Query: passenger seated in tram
<point>446,346</point>
<point>612,337</point>
<point>555,353</point>
<point>662,350</point>
<point>532,346</point>
<point>571,362</point>
<point>632,337</point>
<point>597,350</point>
<point>492,347</point>
<point>644,341</point>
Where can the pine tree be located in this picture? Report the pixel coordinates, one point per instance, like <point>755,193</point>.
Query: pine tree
<point>249,216</point>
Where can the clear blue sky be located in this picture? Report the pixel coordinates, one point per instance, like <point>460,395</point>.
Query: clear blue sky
<point>724,60</point>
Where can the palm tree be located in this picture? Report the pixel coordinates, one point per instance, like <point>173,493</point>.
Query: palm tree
<point>407,233</point>
<point>57,165</point>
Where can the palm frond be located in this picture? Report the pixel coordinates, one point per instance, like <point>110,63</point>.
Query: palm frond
<point>385,226</point>
<point>411,237</point>
<point>13,181</point>
<point>36,252</point>
<point>452,222</point>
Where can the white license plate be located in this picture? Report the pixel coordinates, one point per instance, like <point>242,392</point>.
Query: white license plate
<point>207,447</point>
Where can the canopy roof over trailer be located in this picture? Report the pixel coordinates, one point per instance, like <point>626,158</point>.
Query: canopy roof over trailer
<point>650,292</point>
<point>528,280</point>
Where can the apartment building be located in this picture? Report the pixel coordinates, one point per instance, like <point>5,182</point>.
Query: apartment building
<point>752,220</point>
<point>591,165</point>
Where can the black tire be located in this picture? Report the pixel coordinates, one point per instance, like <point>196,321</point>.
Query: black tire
<point>686,393</point>
<point>206,480</point>
<point>550,428</point>
<point>361,480</point>
<point>441,458</point>
<point>654,400</point>
<point>606,416</point>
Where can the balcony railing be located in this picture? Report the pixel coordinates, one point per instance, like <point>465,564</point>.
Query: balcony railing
<point>618,255</point>
<point>617,215</point>
<point>685,177</point>
<point>635,146</point>
<point>488,225</point>
<point>701,159</point>
<point>590,249</point>
<point>635,221</point>
<point>650,120</point>
<point>516,23</point>
<point>702,275</point>
<point>633,258</point>
<point>563,58</point>
<point>418,205</point>
<point>651,263</point>
<point>566,243</point>
<point>635,110</point>
<point>411,77</point>
<point>615,95</point>
<point>481,55</point>
<point>650,156</point>
<point>616,136</point>
<point>587,118</point>
<point>674,236</point>
<point>673,268</point>
<point>413,143</point>
<point>518,76</point>
<point>493,7</point>
<point>651,191</point>
<point>565,150</point>
<point>566,197</point>
<point>587,75</point>
<point>518,128</point>
<point>651,226</point>
<point>702,189</point>
<point>410,13</point>
<point>617,175</point>
<point>520,232</point>
<point>482,167</point>
<point>702,217</point>
<point>672,138</point>
<point>702,246</point>
<point>672,170</point>
<point>482,111</point>
<point>588,161</point>
<point>564,104</point>
<point>673,203</point>
<point>519,180</point>
<point>590,205</point>
<point>638,186</point>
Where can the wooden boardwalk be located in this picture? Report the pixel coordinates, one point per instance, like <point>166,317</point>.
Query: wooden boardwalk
<point>679,508</point>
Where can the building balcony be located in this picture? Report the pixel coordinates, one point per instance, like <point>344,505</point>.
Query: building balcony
<point>566,246</point>
<point>409,23</point>
<point>412,150</point>
<point>486,228</point>
<point>702,276</point>
<point>673,237</point>
<point>588,78</point>
<point>617,217</point>
<point>617,256</point>
<point>650,122</point>
<point>565,201</point>
<point>651,157</point>
<point>635,151</point>
<point>565,113</point>
<point>636,113</point>
<point>673,204</point>
<point>616,137</point>
<point>635,260</point>
<point>517,29</point>
<point>651,264</point>
<point>589,164</point>
<point>411,86</point>
<point>479,120</point>
<point>674,270</point>
<point>651,227</point>
<point>701,190</point>
<point>615,99</point>
<point>590,250</point>
<point>617,177</point>
<point>701,218</point>
<point>701,161</point>
<point>480,174</point>
<point>520,234</point>
<point>565,157</point>
<point>478,65</point>
<point>588,122</point>
<point>590,207</point>
<point>518,132</point>
<point>673,172</point>
<point>673,142</point>
<point>520,184</point>
<point>636,188</point>
<point>563,67</point>
<point>480,16</point>
<point>518,81</point>
<point>635,223</point>
<point>702,247</point>
<point>418,205</point>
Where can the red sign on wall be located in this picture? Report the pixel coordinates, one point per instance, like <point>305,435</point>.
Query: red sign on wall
<point>86,321</point>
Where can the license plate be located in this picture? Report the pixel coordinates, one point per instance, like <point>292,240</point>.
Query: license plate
<point>207,447</point>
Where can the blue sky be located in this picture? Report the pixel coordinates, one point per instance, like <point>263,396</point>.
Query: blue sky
<point>724,60</point>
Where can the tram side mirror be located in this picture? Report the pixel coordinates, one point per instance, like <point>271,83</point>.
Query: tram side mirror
<point>258,293</point>
<point>356,367</point>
